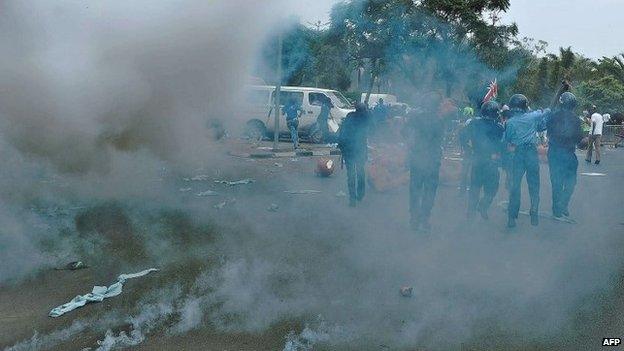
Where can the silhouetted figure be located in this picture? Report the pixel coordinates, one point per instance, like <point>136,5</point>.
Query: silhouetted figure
<point>484,137</point>
<point>564,133</point>
<point>353,144</point>
<point>426,132</point>
<point>323,118</point>
<point>292,110</point>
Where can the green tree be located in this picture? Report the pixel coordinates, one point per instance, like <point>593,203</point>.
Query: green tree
<point>607,93</point>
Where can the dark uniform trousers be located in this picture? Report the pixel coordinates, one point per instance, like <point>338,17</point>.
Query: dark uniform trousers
<point>563,165</point>
<point>356,177</point>
<point>524,160</point>
<point>423,188</point>
<point>485,175</point>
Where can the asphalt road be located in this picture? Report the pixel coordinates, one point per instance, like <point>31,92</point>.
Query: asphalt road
<point>187,235</point>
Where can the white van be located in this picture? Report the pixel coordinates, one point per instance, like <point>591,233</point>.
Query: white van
<point>258,110</point>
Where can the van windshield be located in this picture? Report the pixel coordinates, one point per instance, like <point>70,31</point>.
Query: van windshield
<point>340,100</point>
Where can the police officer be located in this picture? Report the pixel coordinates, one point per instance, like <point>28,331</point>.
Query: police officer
<point>353,144</point>
<point>426,132</point>
<point>484,137</point>
<point>520,136</point>
<point>564,133</point>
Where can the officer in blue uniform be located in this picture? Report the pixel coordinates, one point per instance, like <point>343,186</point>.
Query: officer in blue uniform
<point>521,139</point>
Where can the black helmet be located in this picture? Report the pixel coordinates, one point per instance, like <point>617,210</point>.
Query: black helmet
<point>490,109</point>
<point>568,101</point>
<point>360,107</point>
<point>519,102</point>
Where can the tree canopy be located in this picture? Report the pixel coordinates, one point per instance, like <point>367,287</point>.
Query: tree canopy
<point>457,47</point>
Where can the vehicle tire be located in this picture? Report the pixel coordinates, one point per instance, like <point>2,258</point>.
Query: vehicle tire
<point>255,130</point>
<point>315,134</point>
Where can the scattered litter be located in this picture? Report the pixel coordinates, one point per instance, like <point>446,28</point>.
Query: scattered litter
<point>273,208</point>
<point>185,190</point>
<point>594,174</point>
<point>207,193</point>
<point>341,194</point>
<point>264,148</point>
<point>198,178</point>
<point>302,192</point>
<point>237,182</point>
<point>406,291</point>
<point>98,294</point>
<point>220,205</point>
<point>73,266</point>
<point>333,146</point>
<point>294,159</point>
<point>278,165</point>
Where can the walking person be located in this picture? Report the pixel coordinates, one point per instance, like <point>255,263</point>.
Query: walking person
<point>521,139</point>
<point>293,110</point>
<point>484,136</point>
<point>426,132</point>
<point>353,144</point>
<point>323,118</point>
<point>595,136</point>
<point>564,134</point>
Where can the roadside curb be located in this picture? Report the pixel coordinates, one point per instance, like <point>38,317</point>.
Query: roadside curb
<point>267,155</point>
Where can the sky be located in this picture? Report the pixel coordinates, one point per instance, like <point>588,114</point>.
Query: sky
<point>593,28</point>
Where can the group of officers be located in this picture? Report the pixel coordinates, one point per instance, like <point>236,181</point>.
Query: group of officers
<point>497,138</point>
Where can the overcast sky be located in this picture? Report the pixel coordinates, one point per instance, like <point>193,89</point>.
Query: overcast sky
<point>592,27</point>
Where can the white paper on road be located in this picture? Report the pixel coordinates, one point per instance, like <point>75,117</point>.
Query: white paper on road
<point>594,174</point>
<point>207,193</point>
<point>237,182</point>
<point>98,294</point>
<point>302,192</point>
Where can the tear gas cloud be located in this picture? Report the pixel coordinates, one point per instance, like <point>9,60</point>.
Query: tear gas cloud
<point>99,96</point>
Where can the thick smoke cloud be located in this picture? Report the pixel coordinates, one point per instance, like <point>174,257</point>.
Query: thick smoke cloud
<point>100,94</point>
<point>84,81</point>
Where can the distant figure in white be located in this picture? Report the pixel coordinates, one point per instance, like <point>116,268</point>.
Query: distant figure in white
<point>596,123</point>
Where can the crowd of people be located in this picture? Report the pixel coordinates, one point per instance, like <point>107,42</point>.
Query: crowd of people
<point>498,137</point>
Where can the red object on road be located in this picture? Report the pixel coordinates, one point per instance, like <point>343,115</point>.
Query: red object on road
<point>325,167</point>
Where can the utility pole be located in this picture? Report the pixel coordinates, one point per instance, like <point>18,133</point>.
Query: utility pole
<point>278,88</point>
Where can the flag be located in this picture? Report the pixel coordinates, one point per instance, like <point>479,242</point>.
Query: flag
<point>492,92</point>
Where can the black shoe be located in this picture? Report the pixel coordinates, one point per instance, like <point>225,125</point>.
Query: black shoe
<point>511,222</point>
<point>597,162</point>
<point>588,161</point>
<point>534,219</point>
